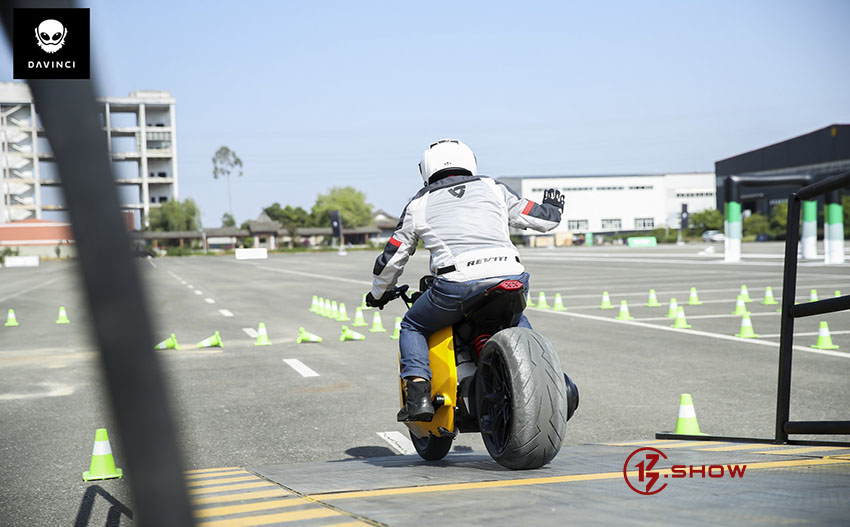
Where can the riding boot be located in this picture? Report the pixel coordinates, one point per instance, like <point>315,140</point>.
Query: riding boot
<point>418,405</point>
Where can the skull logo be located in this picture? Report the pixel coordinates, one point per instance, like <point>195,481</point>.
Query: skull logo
<point>50,35</point>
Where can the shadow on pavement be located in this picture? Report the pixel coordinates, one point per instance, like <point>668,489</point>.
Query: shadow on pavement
<point>113,517</point>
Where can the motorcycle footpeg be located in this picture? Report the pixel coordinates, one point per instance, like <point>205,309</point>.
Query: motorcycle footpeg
<point>404,417</point>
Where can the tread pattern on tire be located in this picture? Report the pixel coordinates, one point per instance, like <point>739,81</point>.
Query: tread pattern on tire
<point>539,402</point>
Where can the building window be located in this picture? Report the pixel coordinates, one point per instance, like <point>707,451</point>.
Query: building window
<point>163,199</point>
<point>612,223</point>
<point>695,194</point>
<point>644,223</point>
<point>610,188</point>
<point>153,199</point>
<point>577,225</point>
<point>162,174</point>
<point>640,187</point>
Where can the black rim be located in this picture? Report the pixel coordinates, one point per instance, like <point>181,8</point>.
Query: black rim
<point>495,400</point>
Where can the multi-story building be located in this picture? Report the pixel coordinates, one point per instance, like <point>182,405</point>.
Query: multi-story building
<point>614,203</point>
<point>142,140</point>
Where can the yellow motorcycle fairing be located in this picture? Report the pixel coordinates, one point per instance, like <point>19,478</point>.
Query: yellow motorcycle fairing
<point>443,382</point>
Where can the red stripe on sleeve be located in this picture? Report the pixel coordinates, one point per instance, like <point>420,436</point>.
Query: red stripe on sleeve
<point>395,242</point>
<point>528,207</point>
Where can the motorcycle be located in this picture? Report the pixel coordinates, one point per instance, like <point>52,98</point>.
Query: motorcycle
<point>492,377</point>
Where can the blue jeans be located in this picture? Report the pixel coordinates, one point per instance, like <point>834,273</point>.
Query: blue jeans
<point>438,307</point>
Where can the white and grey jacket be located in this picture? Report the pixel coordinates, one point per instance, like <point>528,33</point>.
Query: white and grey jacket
<point>463,221</point>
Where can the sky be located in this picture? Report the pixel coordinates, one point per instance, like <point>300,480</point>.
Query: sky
<point>313,95</point>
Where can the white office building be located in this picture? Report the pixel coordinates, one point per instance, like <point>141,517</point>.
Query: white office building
<point>617,203</point>
<point>142,140</point>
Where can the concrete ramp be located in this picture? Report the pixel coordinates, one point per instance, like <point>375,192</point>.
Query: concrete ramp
<point>585,484</point>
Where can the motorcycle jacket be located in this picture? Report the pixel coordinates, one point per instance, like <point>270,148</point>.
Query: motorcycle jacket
<point>463,221</point>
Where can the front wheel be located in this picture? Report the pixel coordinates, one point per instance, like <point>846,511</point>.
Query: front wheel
<point>522,399</point>
<point>431,448</point>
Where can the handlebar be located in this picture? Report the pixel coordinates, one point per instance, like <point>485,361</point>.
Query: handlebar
<point>401,291</point>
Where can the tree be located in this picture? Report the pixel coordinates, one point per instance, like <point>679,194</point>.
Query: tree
<point>706,220</point>
<point>756,224</point>
<point>227,220</point>
<point>290,218</point>
<point>779,220</point>
<point>174,216</point>
<point>225,161</point>
<point>845,205</point>
<point>349,201</point>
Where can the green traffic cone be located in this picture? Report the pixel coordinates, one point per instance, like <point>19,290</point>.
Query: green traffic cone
<point>528,301</point>
<point>11,320</point>
<point>358,318</point>
<point>334,310</point>
<point>262,336</point>
<point>624,311</point>
<point>306,336</point>
<point>212,342</point>
<point>377,325</point>
<point>674,309</point>
<point>314,306</point>
<point>693,300</point>
<point>541,301</point>
<point>687,423</point>
<point>768,297</point>
<point>102,463</point>
<point>363,304</point>
<point>168,344</point>
<point>740,306</point>
<point>813,295</point>
<point>350,334</point>
<point>559,303</point>
<point>396,329</point>
<point>653,300</point>
<point>824,339</point>
<point>606,301</point>
<point>343,314</point>
<point>837,293</point>
<point>63,316</point>
<point>745,294</point>
<point>327,312</point>
<point>320,307</point>
<point>746,328</point>
<point>681,322</point>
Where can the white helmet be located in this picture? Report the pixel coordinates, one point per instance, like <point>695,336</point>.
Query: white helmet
<point>448,155</point>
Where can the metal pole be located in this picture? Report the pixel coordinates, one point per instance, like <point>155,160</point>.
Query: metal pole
<point>786,338</point>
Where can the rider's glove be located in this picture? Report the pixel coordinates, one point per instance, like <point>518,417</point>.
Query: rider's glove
<point>380,302</point>
<point>552,196</point>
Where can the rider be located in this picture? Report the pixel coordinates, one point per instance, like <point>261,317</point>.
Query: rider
<point>462,219</point>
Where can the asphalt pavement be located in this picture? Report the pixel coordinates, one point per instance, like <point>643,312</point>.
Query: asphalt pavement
<point>303,405</point>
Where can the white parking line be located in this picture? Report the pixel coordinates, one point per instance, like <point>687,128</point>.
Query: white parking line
<point>225,313</point>
<point>150,260</point>
<point>300,367</point>
<point>174,275</point>
<point>399,442</point>
<point>198,292</point>
<point>27,290</point>
<point>806,334</point>
<point>190,286</point>
<point>708,316</point>
<point>251,332</point>
<point>209,301</point>
<point>690,332</point>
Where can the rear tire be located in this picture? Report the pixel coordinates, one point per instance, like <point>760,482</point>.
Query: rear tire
<point>431,448</point>
<point>522,399</point>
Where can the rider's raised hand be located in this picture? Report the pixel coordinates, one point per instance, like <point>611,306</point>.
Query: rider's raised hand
<point>552,196</point>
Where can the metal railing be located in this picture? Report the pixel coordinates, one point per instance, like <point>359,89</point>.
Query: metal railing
<point>791,312</point>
